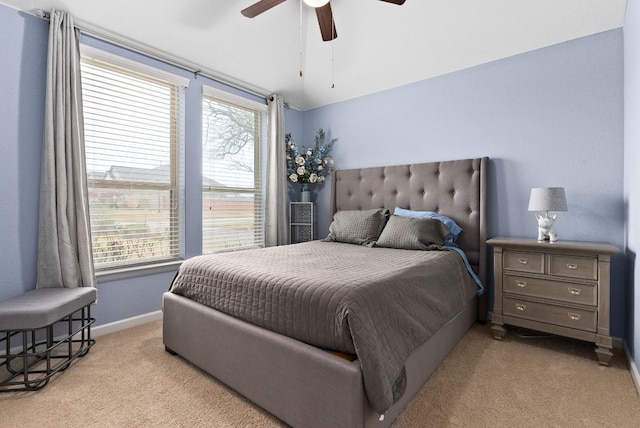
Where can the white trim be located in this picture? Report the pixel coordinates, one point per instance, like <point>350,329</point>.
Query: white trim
<point>633,369</point>
<point>113,327</point>
<point>208,91</point>
<point>100,55</point>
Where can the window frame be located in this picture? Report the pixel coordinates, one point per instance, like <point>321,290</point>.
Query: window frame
<point>259,179</point>
<point>175,186</point>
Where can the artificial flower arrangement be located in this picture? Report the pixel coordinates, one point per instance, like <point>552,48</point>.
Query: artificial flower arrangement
<point>309,165</point>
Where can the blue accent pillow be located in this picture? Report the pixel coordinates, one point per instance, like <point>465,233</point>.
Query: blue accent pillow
<point>454,229</point>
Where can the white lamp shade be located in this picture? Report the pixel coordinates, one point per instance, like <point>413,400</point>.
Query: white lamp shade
<point>548,199</point>
<point>316,3</point>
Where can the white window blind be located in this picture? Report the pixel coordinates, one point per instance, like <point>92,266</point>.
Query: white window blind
<point>134,143</point>
<point>232,172</point>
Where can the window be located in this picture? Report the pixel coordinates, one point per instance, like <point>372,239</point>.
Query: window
<point>133,118</point>
<point>232,154</point>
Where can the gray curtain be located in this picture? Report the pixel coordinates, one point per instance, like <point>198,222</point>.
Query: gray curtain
<point>64,235</point>
<point>276,217</point>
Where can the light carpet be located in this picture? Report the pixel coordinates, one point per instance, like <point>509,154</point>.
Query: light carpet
<point>128,380</point>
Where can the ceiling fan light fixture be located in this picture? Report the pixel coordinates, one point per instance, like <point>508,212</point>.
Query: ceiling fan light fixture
<point>315,3</point>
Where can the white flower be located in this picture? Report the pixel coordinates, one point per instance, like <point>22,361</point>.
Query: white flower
<point>307,164</point>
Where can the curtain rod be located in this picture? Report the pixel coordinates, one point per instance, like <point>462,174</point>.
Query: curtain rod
<point>159,55</point>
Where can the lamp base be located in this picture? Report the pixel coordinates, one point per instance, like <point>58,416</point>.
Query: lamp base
<point>545,228</point>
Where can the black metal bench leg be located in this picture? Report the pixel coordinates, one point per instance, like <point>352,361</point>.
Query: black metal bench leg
<point>40,360</point>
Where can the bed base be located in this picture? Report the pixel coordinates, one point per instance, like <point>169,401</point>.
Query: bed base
<point>298,383</point>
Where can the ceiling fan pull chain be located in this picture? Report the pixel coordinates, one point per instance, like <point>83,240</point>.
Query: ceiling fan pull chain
<point>333,83</point>
<point>300,38</point>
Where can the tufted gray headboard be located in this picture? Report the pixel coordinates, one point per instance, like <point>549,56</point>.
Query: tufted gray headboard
<point>456,189</point>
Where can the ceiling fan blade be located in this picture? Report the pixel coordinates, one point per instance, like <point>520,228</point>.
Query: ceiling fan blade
<point>398,2</point>
<point>325,20</point>
<point>257,8</point>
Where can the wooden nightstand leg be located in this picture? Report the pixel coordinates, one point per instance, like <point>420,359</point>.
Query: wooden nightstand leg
<point>498,330</point>
<point>604,345</point>
<point>604,355</point>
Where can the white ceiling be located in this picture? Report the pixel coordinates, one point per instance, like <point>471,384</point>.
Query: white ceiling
<point>379,45</point>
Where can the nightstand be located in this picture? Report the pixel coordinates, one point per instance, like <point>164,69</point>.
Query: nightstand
<point>302,221</point>
<point>560,288</point>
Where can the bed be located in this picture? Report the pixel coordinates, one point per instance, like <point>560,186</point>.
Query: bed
<point>305,385</point>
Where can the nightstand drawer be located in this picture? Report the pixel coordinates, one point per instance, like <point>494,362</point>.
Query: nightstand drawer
<point>581,319</point>
<point>585,294</point>
<point>524,261</point>
<point>573,266</point>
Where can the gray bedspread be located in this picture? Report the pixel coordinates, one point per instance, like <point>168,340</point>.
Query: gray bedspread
<point>378,303</point>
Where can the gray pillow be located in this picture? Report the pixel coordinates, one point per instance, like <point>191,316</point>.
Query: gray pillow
<point>412,233</point>
<point>356,227</point>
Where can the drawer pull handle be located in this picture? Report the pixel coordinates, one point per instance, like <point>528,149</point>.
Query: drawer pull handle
<point>572,266</point>
<point>573,316</point>
<point>575,291</point>
<point>521,307</point>
<point>521,283</point>
<point>523,261</point>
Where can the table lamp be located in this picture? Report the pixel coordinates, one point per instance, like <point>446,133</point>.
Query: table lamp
<point>547,199</point>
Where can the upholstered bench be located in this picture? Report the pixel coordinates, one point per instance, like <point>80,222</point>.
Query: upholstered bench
<point>41,333</point>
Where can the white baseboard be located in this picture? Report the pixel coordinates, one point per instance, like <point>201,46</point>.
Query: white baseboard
<point>101,330</point>
<point>633,369</point>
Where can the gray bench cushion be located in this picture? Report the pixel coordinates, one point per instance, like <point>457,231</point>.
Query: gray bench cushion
<point>42,307</point>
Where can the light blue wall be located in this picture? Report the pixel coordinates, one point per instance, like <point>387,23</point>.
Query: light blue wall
<point>632,172</point>
<point>23,52</point>
<point>23,57</point>
<point>551,117</point>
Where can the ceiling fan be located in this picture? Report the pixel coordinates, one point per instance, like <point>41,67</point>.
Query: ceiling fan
<point>323,12</point>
